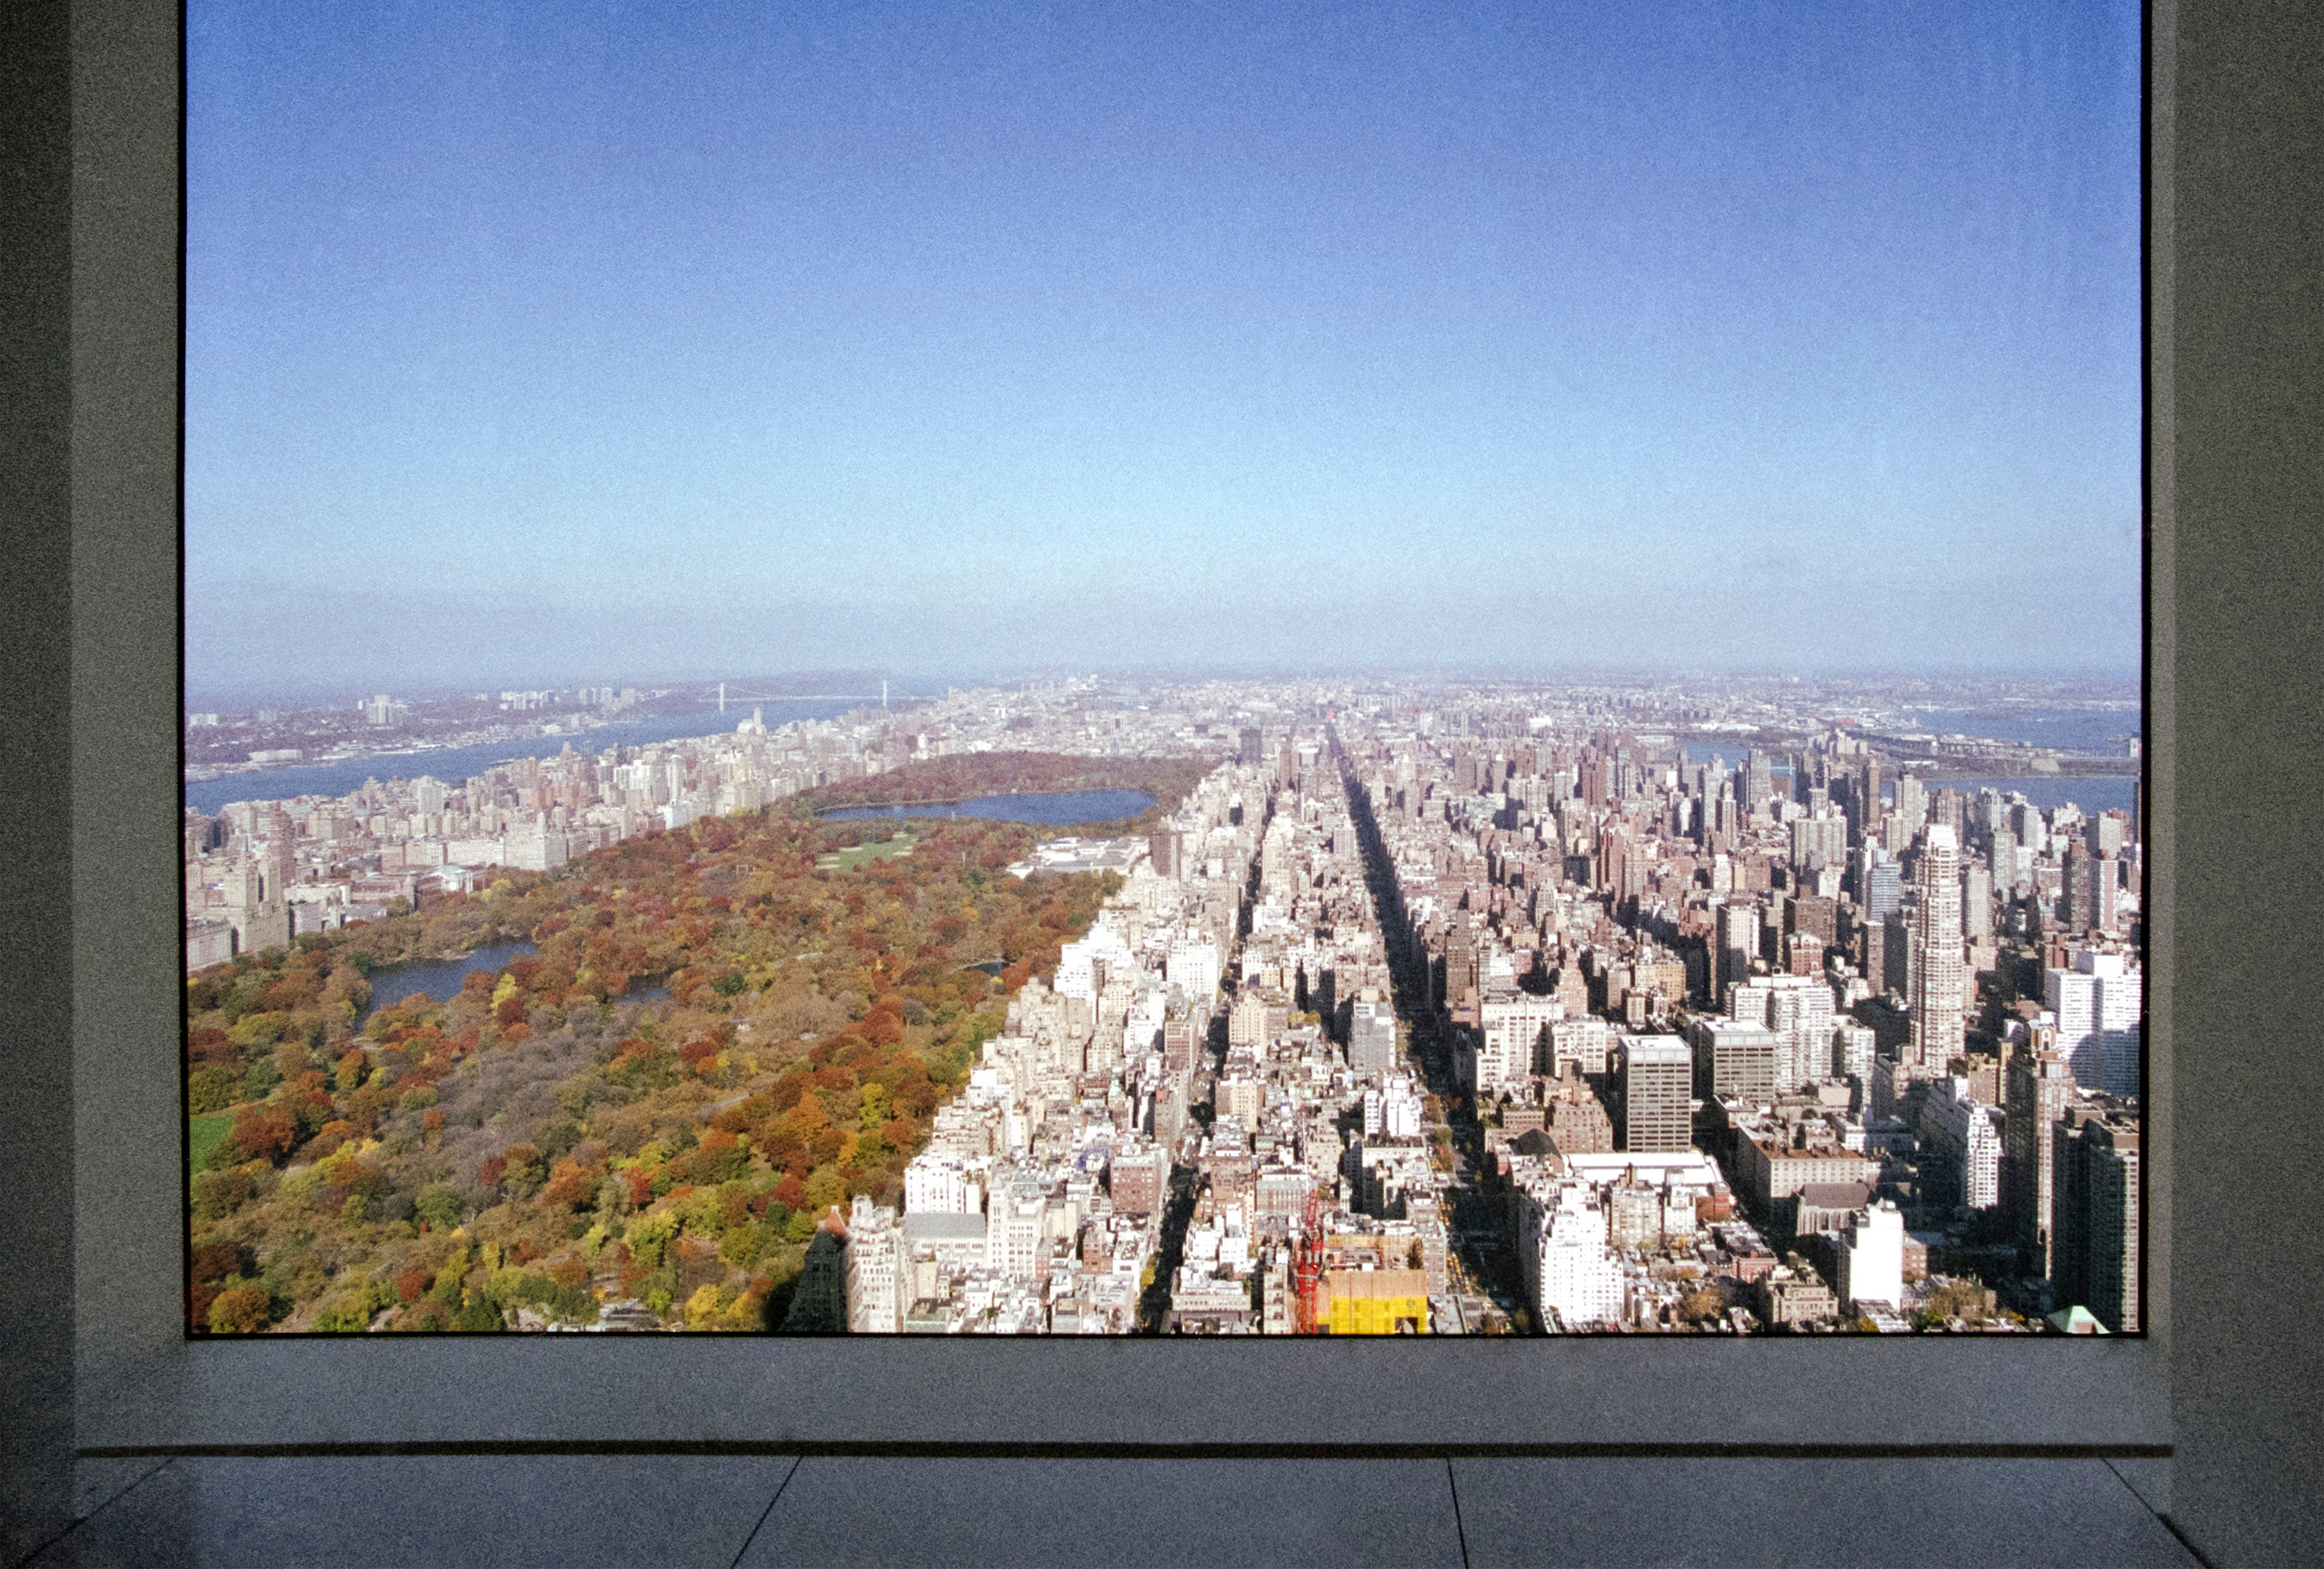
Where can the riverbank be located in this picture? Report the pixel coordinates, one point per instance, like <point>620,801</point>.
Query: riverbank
<point>343,777</point>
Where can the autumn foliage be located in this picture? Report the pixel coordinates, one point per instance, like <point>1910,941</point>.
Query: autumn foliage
<point>712,1040</point>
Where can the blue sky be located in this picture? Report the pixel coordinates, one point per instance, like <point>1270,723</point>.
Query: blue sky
<point>600,341</point>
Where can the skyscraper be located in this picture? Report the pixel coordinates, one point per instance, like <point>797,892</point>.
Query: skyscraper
<point>2101,1028</point>
<point>1798,1011</point>
<point>2035,1098</point>
<point>1977,901</point>
<point>1464,971</point>
<point>1947,806</point>
<point>1738,944</point>
<point>1872,1257</point>
<point>1733,1058</point>
<point>2008,868</point>
<point>1371,1038</point>
<point>1657,1085</point>
<point>1819,840</point>
<point>1937,963</point>
<point>2078,908</point>
<point>1809,913</point>
<point>1883,885</point>
<point>873,1266</point>
<point>1912,803</point>
<point>2097,1251</point>
<point>1898,954</point>
<point>1758,783</point>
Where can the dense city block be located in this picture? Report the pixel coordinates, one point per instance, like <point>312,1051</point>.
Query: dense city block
<point>1358,1008</point>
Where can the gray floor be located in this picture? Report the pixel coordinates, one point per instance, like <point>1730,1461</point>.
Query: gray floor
<point>761,1512</point>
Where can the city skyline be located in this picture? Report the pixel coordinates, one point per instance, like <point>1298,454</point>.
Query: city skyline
<point>1581,340</point>
<point>1684,871</point>
<point>1072,1008</point>
<point>1917,687</point>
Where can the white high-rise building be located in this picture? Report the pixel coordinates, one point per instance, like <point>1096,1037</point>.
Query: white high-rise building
<point>1393,1110</point>
<point>2098,1005</point>
<point>1371,1038</point>
<point>1912,803</point>
<point>1798,1008</point>
<point>1977,901</point>
<point>875,1302</point>
<point>1656,1094</point>
<point>1510,1031</point>
<point>2028,829</point>
<point>1586,1043</point>
<point>1193,966</point>
<point>1141,1032</point>
<point>1853,1048</point>
<point>1938,964</point>
<point>1966,1134</point>
<point>1575,1277</point>
<point>1872,1256</point>
<point>1083,964</point>
<point>946,1185</point>
<point>535,846</point>
<point>1014,1230</point>
<point>1738,945</point>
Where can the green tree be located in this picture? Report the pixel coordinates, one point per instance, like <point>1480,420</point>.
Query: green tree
<point>350,1309</point>
<point>824,1189</point>
<point>211,1089</point>
<point>218,1193</point>
<point>241,1310</point>
<point>702,1309</point>
<point>439,1203</point>
<point>745,1245</point>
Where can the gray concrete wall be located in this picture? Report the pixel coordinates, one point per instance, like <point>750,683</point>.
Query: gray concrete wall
<point>2247,331</point>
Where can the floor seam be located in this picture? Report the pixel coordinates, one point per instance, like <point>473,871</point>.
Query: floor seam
<point>164,1459</point>
<point>2193,1552</point>
<point>1459,1530</point>
<point>766,1513</point>
<point>34,1556</point>
<point>2167,1523</point>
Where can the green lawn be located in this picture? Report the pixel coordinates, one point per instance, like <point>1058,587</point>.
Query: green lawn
<point>848,860</point>
<point>203,1134</point>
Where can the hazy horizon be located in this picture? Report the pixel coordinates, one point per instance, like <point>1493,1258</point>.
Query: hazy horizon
<point>532,349</point>
<point>913,685</point>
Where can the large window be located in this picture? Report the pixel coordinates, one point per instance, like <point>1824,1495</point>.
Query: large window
<point>466,401</point>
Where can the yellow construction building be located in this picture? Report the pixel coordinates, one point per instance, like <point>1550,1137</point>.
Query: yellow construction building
<point>1373,1302</point>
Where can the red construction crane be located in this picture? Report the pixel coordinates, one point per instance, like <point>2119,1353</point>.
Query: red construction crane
<point>1311,1260</point>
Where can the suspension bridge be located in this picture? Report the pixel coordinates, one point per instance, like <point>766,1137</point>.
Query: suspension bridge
<point>728,692</point>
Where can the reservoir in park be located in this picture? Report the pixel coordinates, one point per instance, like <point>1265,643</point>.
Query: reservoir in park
<point>1047,810</point>
<point>441,979</point>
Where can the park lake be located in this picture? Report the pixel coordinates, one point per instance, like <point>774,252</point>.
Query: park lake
<point>1047,810</point>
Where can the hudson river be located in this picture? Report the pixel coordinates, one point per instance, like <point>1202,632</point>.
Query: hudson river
<point>453,764</point>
